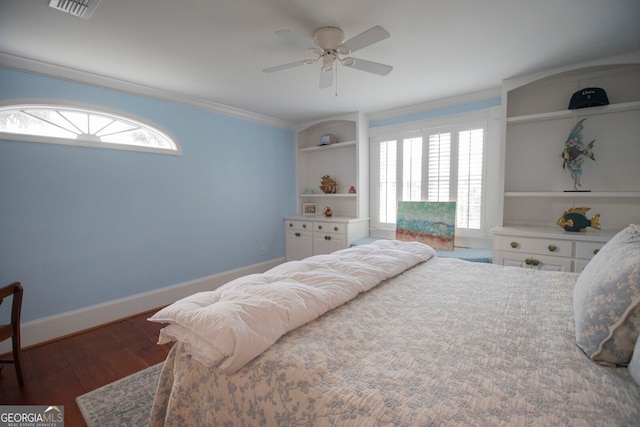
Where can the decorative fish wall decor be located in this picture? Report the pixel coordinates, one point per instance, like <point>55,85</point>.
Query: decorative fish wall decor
<point>575,152</point>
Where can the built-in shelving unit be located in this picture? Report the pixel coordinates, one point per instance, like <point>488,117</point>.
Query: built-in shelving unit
<point>536,123</point>
<point>347,162</point>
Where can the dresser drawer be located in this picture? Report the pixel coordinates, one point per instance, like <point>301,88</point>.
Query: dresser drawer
<point>586,250</point>
<point>532,245</point>
<point>329,227</point>
<point>298,225</point>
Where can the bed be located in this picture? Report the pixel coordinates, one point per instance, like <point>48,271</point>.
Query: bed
<point>437,341</point>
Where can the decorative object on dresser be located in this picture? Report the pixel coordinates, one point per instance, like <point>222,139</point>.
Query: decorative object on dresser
<point>327,212</point>
<point>575,219</point>
<point>575,152</point>
<point>328,185</point>
<point>352,190</point>
<point>309,208</point>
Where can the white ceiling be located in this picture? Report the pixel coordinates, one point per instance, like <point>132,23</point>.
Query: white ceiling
<point>214,50</point>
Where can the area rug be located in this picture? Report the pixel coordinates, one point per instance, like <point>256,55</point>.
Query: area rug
<point>126,402</point>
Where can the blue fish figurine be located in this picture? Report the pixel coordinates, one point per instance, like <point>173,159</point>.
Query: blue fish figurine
<point>575,152</point>
<point>575,219</point>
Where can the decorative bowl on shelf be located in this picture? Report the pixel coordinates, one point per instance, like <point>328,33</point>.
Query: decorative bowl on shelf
<point>328,139</point>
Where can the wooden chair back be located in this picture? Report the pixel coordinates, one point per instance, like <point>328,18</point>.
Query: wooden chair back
<point>12,330</point>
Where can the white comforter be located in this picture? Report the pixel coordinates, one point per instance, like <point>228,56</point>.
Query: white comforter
<point>235,323</point>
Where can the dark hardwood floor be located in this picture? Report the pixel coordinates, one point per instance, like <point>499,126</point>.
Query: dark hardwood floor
<point>57,372</point>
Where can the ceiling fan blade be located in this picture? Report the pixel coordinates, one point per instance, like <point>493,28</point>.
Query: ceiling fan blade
<point>285,66</point>
<point>326,78</point>
<point>366,38</point>
<point>368,66</point>
<point>296,39</point>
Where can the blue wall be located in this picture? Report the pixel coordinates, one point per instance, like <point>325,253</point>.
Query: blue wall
<point>82,226</point>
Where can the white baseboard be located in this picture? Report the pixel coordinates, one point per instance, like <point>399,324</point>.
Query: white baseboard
<point>49,328</point>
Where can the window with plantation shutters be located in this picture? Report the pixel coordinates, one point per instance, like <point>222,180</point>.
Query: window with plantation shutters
<point>439,167</point>
<point>470,173</point>
<point>433,164</point>
<point>387,182</point>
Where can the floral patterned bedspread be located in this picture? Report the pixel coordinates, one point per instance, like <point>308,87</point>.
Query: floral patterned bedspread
<point>447,342</point>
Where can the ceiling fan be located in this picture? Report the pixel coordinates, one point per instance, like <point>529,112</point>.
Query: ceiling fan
<point>331,49</point>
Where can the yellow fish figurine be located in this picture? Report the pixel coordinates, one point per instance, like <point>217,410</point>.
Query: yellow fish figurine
<point>575,219</point>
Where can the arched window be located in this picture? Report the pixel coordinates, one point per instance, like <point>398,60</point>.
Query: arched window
<point>73,124</point>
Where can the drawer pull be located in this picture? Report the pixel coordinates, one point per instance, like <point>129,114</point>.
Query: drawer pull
<point>327,237</point>
<point>290,225</point>
<point>335,228</point>
<point>552,248</point>
<point>304,225</point>
<point>514,245</point>
<point>535,262</point>
<point>527,261</point>
<point>531,261</point>
<point>297,234</point>
<point>595,251</point>
<point>319,227</point>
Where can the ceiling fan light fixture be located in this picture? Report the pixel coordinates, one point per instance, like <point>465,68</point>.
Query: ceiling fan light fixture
<point>331,49</point>
<point>328,37</point>
<point>328,62</point>
<point>349,62</point>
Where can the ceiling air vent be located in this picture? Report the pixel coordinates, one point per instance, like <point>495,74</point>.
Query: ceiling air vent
<point>81,8</point>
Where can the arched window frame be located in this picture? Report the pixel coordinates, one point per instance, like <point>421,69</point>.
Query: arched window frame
<point>88,139</point>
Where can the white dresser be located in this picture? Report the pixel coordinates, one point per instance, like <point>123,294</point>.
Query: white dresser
<point>546,248</point>
<point>316,235</point>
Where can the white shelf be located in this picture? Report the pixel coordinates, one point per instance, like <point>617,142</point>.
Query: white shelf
<point>563,114</point>
<point>585,194</point>
<point>337,195</point>
<point>329,147</point>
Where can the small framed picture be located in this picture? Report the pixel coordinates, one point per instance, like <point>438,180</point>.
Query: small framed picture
<point>309,208</point>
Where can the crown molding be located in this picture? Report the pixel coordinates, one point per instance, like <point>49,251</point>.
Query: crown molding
<point>435,105</point>
<point>79,76</point>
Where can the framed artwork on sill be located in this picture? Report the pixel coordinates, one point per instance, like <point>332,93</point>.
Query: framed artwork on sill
<point>432,223</point>
<point>309,208</point>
